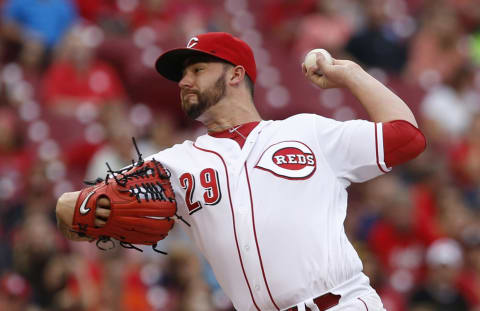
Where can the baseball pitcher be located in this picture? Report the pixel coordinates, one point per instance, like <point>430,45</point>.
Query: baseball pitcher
<point>264,200</point>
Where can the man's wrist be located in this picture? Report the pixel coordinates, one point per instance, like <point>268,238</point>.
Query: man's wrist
<point>64,211</point>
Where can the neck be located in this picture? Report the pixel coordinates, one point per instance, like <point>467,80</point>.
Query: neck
<point>227,114</point>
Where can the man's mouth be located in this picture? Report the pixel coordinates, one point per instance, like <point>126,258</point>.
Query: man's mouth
<point>188,94</point>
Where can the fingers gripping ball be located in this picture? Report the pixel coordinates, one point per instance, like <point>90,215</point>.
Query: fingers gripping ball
<point>142,204</point>
<point>311,59</point>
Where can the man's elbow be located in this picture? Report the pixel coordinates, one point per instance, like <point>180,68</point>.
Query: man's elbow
<point>402,142</point>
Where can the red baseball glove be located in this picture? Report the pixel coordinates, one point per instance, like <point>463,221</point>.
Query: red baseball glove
<point>142,204</point>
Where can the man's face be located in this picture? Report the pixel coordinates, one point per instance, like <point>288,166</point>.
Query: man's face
<point>202,86</point>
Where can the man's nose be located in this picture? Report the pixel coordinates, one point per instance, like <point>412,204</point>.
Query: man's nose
<point>185,82</point>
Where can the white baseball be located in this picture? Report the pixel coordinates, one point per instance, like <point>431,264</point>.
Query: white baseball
<point>311,58</point>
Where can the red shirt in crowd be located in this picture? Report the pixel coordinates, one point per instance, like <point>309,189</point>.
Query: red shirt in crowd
<point>98,83</point>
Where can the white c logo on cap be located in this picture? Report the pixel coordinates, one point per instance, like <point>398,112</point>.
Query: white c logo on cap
<point>192,42</point>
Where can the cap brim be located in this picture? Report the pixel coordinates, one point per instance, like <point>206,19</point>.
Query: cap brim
<point>170,64</point>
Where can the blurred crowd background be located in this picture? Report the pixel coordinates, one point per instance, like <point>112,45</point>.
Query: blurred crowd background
<point>77,82</point>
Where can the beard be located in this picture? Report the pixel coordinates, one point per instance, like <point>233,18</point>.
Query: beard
<point>206,99</point>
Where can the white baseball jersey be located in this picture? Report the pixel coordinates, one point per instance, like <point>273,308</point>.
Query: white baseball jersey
<point>269,216</point>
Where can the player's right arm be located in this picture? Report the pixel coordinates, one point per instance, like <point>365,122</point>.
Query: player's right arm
<point>400,140</point>
<point>381,104</point>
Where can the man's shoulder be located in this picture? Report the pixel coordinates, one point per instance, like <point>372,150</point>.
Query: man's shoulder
<point>303,119</point>
<point>310,122</point>
<point>173,151</point>
<point>297,125</point>
<point>185,145</point>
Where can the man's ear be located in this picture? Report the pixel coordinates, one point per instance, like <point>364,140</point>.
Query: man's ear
<point>237,75</point>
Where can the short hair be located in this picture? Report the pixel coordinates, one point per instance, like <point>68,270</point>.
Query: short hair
<point>250,85</point>
<point>212,59</point>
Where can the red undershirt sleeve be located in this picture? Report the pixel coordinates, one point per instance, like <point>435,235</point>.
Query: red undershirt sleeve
<point>402,142</point>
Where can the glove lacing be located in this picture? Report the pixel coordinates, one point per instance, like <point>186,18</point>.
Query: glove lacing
<point>147,191</point>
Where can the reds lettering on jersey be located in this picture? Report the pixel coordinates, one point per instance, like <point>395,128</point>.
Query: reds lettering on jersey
<point>288,159</point>
<point>269,216</point>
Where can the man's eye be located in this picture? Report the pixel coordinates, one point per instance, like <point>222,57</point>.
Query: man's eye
<point>196,70</point>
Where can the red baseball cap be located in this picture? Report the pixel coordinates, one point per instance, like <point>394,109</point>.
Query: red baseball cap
<point>221,45</point>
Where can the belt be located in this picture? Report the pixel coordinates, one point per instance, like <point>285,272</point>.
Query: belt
<point>323,302</point>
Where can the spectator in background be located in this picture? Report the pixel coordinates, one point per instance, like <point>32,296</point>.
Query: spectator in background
<point>15,162</point>
<point>58,281</point>
<point>162,133</point>
<point>440,292</point>
<point>175,21</point>
<point>184,280</point>
<point>31,64</point>
<point>281,18</point>
<point>14,293</point>
<point>395,242</point>
<point>392,299</point>
<point>191,23</point>
<point>118,150</point>
<point>465,163</point>
<point>21,84</point>
<point>373,198</point>
<point>324,28</point>
<point>15,159</point>
<point>35,245</point>
<point>39,22</point>
<point>89,282</point>
<point>122,280</point>
<point>76,76</point>
<point>377,44</point>
<point>470,277</point>
<point>452,214</point>
<point>391,226</point>
<point>469,14</point>
<point>2,48</point>
<point>429,179</point>
<point>436,53</point>
<point>94,10</point>
<point>447,109</point>
<point>156,14</point>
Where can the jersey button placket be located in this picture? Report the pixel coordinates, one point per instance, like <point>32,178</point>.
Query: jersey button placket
<point>247,239</point>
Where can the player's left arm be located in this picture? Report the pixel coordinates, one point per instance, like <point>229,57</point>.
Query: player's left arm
<point>65,211</point>
<point>402,139</point>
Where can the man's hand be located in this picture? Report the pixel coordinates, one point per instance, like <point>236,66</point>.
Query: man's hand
<point>66,208</point>
<point>339,73</point>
